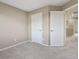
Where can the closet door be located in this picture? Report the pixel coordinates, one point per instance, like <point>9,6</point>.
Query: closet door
<point>57,28</point>
<point>37,34</point>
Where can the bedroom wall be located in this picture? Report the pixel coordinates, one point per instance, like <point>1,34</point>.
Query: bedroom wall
<point>71,21</point>
<point>13,25</point>
<point>69,24</point>
<point>44,10</point>
<point>46,23</point>
<point>46,17</point>
<point>69,4</point>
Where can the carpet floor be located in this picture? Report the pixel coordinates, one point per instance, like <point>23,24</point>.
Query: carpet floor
<point>30,50</point>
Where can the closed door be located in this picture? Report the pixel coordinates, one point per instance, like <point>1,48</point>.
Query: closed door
<point>57,28</point>
<point>36,20</point>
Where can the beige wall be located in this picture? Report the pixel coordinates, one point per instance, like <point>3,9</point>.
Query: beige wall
<point>16,24</point>
<point>44,10</point>
<point>71,21</point>
<point>55,8</point>
<point>46,22</point>
<point>69,4</point>
<point>13,25</point>
<point>46,18</point>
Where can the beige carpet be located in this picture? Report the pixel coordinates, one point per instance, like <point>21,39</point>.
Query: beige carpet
<point>31,50</point>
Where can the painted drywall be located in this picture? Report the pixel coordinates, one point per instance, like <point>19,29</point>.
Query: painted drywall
<point>71,23</point>
<point>46,22</point>
<point>45,26</point>
<point>69,4</point>
<point>13,25</point>
<point>46,18</point>
<point>76,25</point>
<point>55,8</point>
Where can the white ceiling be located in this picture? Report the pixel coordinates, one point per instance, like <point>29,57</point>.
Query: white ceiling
<point>29,5</point>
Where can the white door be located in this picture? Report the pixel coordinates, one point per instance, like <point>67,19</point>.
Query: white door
<point>36,20</point>
<point>57,28</point>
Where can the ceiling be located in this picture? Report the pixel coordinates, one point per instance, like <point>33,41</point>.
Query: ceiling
<point>29,5</point>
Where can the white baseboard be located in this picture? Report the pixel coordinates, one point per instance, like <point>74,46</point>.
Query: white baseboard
<point>17,45</point>
<point>13,45</point>
<point>41,44</point>
<point>45,45</point>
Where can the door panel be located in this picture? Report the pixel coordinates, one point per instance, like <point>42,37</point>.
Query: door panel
<point>57,29</point>
<point>36,20</point>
